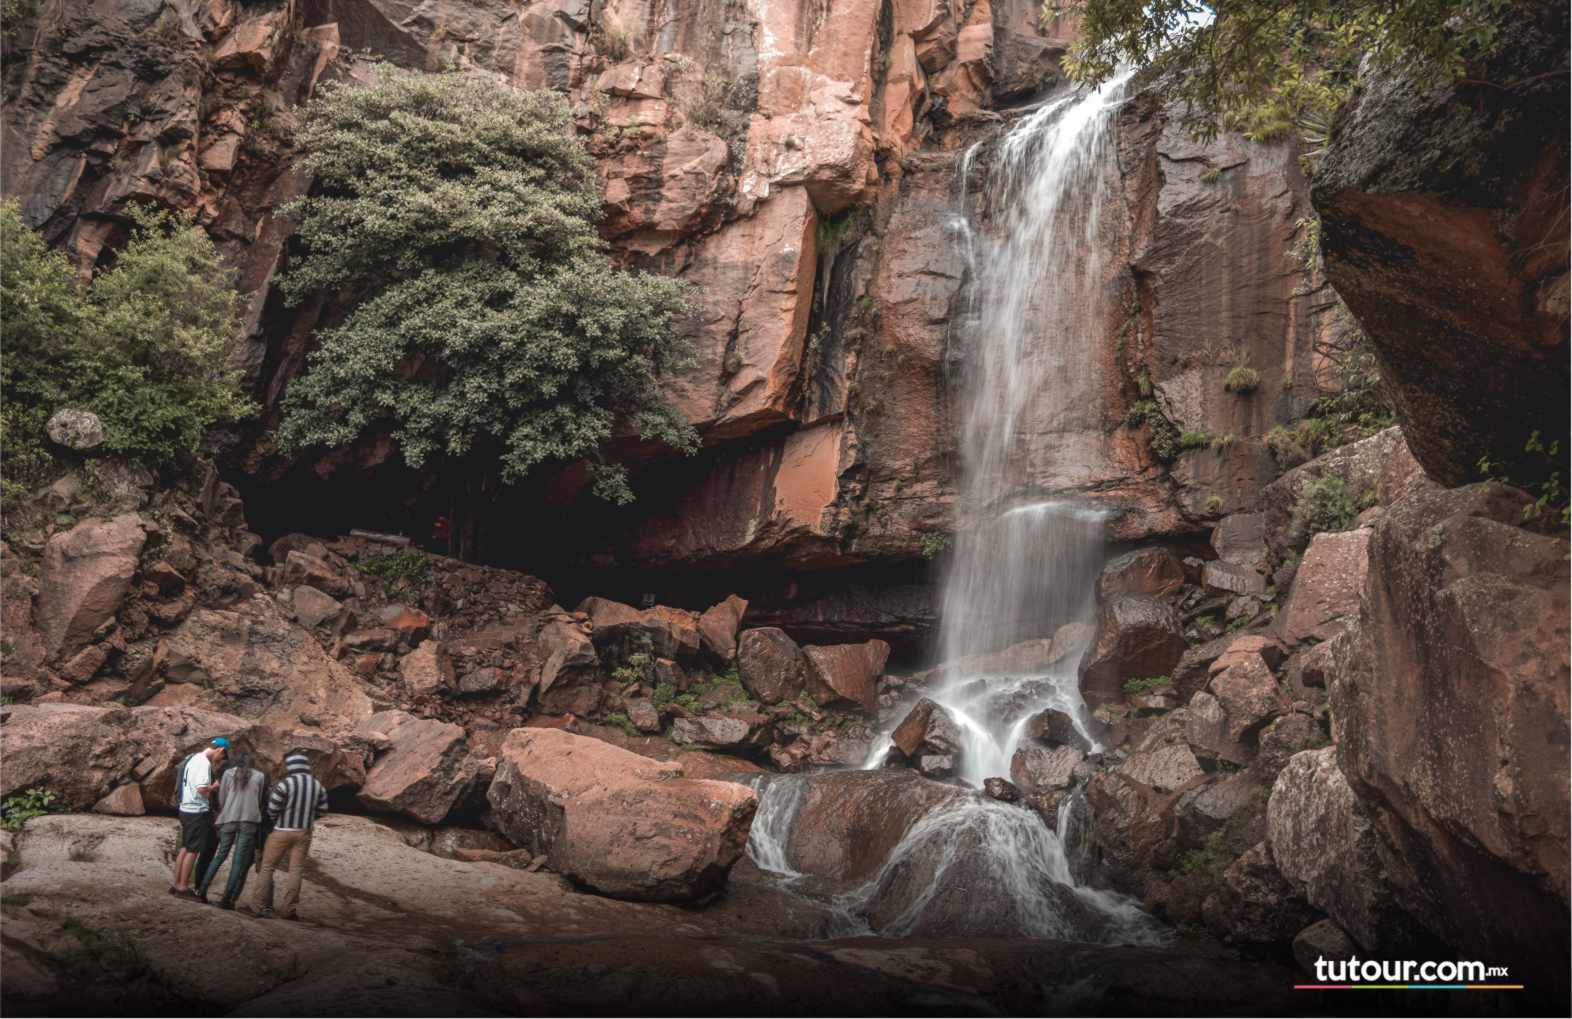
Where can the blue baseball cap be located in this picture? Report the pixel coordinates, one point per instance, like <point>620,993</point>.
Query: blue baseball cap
<point>219,741</point>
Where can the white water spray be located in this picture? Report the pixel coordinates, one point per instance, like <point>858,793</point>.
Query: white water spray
<point>1025,562</point>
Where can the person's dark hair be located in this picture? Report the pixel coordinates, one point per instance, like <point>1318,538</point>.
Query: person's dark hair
<point>240,759</point>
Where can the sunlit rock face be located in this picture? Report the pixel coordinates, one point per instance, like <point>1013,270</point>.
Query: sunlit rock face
<point>799,164</point>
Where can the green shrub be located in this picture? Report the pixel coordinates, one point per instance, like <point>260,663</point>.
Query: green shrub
<point>1135,687</point>
<point>1242,379</point>
<point>1164,435</point>
<point>1214,503</point>
<point>623,722</point>
<point>1323,505</point>
<point>1194,440</point>
<point>492,330</point>
<point>144,346</point>
<point>409,569</point>
<point>933,543</point>
<point>19,808</point>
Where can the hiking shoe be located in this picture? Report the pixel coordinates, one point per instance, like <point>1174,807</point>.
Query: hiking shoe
<point>226,903</point>
<point>264,914</point>
<point>200,897</point>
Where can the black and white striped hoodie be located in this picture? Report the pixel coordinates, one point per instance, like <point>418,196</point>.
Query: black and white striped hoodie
<point>298,798</point>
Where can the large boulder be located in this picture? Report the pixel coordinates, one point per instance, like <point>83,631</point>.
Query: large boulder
<point>1240,538</point>
<point>86,752</point>
<point>1451,709</point>
<point>253,662</point>
<point>1249,696</point>
<point>1137,638</point>
<point>771,665</point>
<point>623,825</point>
<point>1375,471</point>
<point>718,627</point>
<point>75,429</point>
<point>1323,842</point>
<point>427,670</point>
<point>847,673</point>
<point>927,729</point>
<point>1042,768</point>
<point>1254,903</point>
<point>425,771</point>
<point>662,631</point>
<point>570,676</point>
<point>1154,572</point>
<point>84,577</point>
<point>1440,204</point>
<point>1327,586</point>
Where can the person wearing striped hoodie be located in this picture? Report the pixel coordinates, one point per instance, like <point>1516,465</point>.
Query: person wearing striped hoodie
<point>293,807</point>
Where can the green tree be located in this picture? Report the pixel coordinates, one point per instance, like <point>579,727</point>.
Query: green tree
<point>1266,67</point>
<point>492,331</point>
<point>143,345</point>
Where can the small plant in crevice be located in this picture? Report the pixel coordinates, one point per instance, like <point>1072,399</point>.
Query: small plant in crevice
<point>623,722</point>
<point>933,544</point>
<point>1165,437</point>
<point>1212,175</point>
<point>1553,497</point>
<point>408,570</point>
<point>1323,504</point>
<point>1242,379</point>
<point>1194,440</point>
<point>19,808</point>
<point>1214,504</point>
<point>1149,684</point>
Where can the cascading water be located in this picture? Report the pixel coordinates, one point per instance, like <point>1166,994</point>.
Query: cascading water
<point>1023,564</point>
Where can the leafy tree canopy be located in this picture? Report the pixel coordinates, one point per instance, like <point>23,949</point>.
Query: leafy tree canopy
<point>1265,67</point>
<point>143,345</point>
<point>490,322</point>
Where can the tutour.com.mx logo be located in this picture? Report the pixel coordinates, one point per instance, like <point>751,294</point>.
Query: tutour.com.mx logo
<point>1355,974</point>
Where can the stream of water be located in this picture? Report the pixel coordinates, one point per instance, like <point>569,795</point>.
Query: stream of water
<point>1024,562</point>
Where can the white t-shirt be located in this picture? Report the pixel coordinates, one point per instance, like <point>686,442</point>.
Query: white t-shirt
<point>199,771</point>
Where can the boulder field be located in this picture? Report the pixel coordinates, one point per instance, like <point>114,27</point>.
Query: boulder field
<point>1327,689</point>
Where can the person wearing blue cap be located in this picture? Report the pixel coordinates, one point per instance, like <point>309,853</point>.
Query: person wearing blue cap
<point>192,788</point>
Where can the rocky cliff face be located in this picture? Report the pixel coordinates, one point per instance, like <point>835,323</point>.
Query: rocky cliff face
<point>796,162</point>
<point>1445,223</point>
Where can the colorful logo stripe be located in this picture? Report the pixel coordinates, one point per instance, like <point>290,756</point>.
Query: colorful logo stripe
<point>1408,987</point>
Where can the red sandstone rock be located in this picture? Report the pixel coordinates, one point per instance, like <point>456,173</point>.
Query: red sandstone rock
<point>772,667</point>
<point>250,661</point>
<point>1249,696</point>
<point>427,670</point>
<point>1447,702</point>
<point>1154,572</point>
<point>718,627</point>
<point>125,801</point>
<point>1137,638</point>
<point>846,673</point>
<point>425,770</point>
<point>1037,769</point>
<point>1326,587</point>
<point>623,825</point>
<point>927,729</point>
<point>85,575</point>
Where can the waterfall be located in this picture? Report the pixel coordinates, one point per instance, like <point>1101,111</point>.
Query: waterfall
<point>1025,563</point>
<point>1025,560</point>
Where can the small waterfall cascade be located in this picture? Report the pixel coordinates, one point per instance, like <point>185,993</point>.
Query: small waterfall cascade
<point>1024,562</point>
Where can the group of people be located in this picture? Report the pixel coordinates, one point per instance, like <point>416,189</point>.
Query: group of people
<point>221,793</point>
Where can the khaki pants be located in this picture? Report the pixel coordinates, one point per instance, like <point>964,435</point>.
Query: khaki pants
<point>298,845</point>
